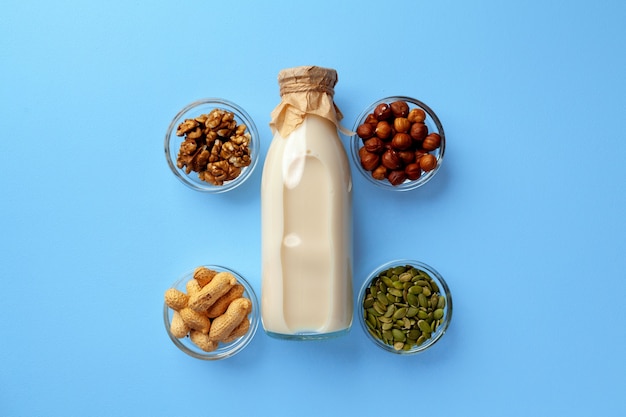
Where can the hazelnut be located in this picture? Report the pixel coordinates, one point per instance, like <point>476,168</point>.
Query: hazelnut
<point>383,130</point>
<point>428,162</point>
<point>380,173</point>
<point>407,157</point>
<point>418,155</point>
<point>401,124</point>
<point>399,108</point>
<point>369,161</point>
<point>418,131</point>
<point>417,116</point>
<point>365,131</point>
<point>371,120</point>
<point>383,111</point>
<point>397,177</point>
<point>374,145</point>
<point>391,160</point>
<point>413,171</point>
<point>431,142</point>
<point>401,141</point>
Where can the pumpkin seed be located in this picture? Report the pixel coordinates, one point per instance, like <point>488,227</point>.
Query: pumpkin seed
<point>415,289</point>
<point>400,313</point>
<point>421,298</point>
<point>424,326</point>
<point>403,307</point>
<point>398,335</point>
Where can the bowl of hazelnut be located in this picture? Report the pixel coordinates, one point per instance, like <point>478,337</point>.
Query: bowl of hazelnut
<point>212,145</point>
<point>399,143</point>
<point>404,306</point>
<point>211,313</point>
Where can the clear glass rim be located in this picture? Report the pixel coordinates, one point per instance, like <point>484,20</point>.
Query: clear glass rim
<point>229,349</point>
<point>356,142</point>
<point>444,289</point>
<point>171,155</point>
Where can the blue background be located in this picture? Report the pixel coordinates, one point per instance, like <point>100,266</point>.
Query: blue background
<point>525,219</point>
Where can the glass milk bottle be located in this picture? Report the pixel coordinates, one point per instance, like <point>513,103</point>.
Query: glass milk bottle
<point>306,212</point>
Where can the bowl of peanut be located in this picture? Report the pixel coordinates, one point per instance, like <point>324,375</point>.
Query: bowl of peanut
<point>404,306</point>
<point>212,145</point>
<point>211,313</point>
<point>399,143</point>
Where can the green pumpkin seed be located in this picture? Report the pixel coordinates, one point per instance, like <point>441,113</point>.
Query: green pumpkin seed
<point>398,285</point>
<point>398,335</point>
<point>390,310</point>
<point>400,313</point>
<point>398,270</point>
<point>414,334</point>
<point>405,277</point>
<point>403,307</point>
<point>379,307</point>
<point>415,289</point>
<point>395,292</point>
<point>424,326</point>
<point>422,300</point>
<point>382,298</point>
<point>411,311</point>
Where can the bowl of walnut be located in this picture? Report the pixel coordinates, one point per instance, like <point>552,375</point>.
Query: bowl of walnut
<point>211,313</point>
<point>212,145</point>
<point>399,143</point>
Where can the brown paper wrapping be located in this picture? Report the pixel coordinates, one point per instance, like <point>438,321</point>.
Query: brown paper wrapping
<point>305,90</point>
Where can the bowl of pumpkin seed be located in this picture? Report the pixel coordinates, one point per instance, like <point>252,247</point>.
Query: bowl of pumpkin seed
<point>406,306</point>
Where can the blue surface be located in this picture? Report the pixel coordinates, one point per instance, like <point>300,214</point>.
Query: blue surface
<point>525,220</point>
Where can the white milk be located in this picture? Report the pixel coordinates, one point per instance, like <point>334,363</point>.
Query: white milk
<point>306,220</point>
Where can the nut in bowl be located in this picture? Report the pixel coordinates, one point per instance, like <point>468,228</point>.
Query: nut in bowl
<point>405,306</point>
<point>212,145</point>
<point>399,143</point>
<point>211,313</point>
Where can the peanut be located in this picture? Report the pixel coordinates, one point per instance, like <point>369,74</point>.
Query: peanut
<point>176,300</point>
<point>203,275</point>
<point>220,306</point>
<point>213,300</point>
<point>238,331</point>
<point>207,296</point>
<point>193,287</point>
<point>223,325</point>
<point>195,320</point>
<point>178,327</point>
<point>202,341</point>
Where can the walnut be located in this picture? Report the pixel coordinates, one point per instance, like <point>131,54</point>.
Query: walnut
<point>200,160</point>
<point>215,146</point>
<point>186,126</point>
<point>240,161</point>
<point>215,151</point>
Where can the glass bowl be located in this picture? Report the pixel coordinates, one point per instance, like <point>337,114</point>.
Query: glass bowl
<point>433,125</point>
<point>374,315</point>
<point>173,142</point>
<point>224,350</point>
